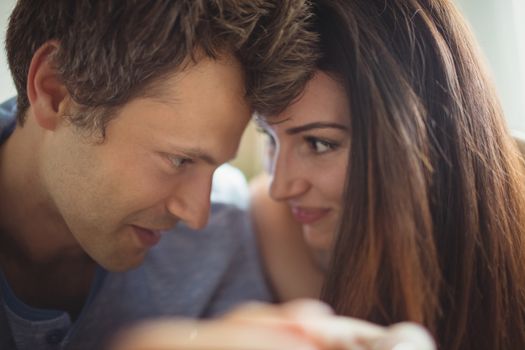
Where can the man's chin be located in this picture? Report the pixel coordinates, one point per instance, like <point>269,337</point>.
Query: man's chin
<point>122,265</point>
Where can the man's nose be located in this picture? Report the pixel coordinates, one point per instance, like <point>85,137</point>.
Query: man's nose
<point>190,201</point>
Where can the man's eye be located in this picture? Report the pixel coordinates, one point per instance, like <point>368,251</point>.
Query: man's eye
<point>178,161</point>
<point>320,146</point>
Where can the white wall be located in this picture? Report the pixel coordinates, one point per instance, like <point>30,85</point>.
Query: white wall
<point>500,30</point>
<point>7,88</point>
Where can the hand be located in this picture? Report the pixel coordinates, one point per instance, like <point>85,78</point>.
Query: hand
<point>316,321</point>
<point>301,325</point>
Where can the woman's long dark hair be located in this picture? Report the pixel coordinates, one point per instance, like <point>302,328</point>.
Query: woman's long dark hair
<point>434,219</point>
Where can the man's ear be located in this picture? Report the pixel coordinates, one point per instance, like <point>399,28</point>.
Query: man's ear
<point>47,94</point>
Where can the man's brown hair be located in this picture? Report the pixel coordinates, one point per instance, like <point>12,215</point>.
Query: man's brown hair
<point>114,50</point>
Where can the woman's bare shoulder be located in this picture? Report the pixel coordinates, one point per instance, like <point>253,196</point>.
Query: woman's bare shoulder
<point>286,257</point>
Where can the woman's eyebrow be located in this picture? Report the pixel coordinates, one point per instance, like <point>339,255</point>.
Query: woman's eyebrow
<point>316,125</point>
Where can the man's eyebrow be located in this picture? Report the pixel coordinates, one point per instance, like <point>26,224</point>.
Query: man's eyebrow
<point>316,125</point>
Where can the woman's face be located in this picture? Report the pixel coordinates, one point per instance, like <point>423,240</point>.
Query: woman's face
<point>308,154</point>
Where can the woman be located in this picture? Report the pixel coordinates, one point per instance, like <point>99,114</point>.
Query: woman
<point>397,191</point>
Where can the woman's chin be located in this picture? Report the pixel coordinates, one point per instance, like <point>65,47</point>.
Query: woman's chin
<point>320,245</point>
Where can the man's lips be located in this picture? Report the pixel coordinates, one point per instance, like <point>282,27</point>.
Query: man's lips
<point>308,215</point>
<point>147,237</point>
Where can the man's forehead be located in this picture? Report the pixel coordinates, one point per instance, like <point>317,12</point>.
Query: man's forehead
<point>166,87</point>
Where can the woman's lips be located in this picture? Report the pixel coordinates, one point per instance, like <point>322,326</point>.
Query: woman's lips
<point>148,238</point>
<point>309,215</point>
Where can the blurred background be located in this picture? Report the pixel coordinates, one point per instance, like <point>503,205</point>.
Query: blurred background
<point>499,26</point>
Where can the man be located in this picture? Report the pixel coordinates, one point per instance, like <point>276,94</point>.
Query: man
<point>124,111</point>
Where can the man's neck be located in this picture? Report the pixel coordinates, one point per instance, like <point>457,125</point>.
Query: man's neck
<point>27,214</point>
<point>38,254</point>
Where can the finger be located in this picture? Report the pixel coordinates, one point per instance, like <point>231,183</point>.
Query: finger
<point>307,308</point>
<point>283,316</point>
<point>342,332</point>
<point>404,336</point>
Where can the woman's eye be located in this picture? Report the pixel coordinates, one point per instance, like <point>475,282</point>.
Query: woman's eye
<point>320,146</point>
<point>270,141</point>
<point>178,161</point>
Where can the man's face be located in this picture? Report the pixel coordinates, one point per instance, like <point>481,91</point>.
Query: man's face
<point>154,167</point>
